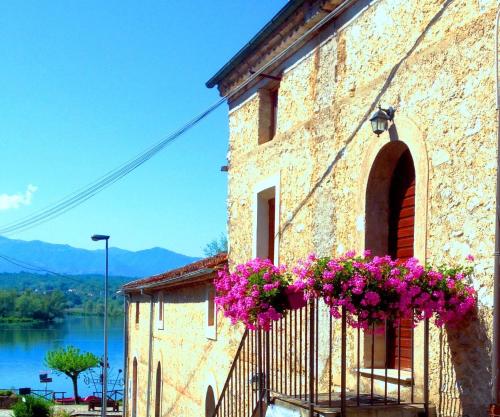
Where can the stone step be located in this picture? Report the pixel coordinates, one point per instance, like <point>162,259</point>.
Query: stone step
<point>296,408</point>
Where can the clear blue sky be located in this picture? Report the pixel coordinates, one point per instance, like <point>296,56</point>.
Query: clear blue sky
<point>86,85</point>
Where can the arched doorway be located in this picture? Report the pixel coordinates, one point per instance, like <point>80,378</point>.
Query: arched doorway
<point>134,388</point>
<point>390,229</point>
<point>209,402</point>
<point>158,391</point>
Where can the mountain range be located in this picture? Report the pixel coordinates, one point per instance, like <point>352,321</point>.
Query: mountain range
<point>37,256</point>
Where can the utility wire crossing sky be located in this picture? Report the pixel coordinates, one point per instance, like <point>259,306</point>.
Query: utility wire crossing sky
<point>118,173</point>
<point>83,85</point>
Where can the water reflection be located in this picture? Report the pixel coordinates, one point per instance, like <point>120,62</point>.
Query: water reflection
<point>25,336</point>
<point>23,348</point>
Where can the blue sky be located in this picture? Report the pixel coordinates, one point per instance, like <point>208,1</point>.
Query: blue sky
<point>87,85</point>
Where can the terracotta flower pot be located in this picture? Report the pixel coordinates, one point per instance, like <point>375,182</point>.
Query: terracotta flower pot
<point>295,298</point>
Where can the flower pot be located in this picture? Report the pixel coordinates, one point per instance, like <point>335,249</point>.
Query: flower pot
<point>295,298</point>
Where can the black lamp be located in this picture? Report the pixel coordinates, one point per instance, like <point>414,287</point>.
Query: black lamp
<point>380,119</point>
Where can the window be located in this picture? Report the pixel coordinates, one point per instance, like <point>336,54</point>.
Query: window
<point>209,402</point>
<point>211,323</point>
<point>160,311</point>
<point>266,215</point>
<point>137,312</point>
<point>266,219</point>
<point>273,110</point>
<point>134,388</point>
<point>268,113</point>
<point>158,391</point>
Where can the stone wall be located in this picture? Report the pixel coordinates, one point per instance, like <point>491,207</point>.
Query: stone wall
<point>189,361</point>
<point>434,61</point>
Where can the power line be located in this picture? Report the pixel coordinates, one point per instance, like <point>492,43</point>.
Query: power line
<point>83,194</point>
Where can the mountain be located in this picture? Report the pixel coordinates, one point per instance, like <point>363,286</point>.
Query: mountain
<point>66,259</point>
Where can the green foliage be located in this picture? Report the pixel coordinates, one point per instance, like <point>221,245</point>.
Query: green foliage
<point>71,362</point>
<point>31,406</point>
<point>216,246</point>
<point>28,297</point>
<point>6,392</point>
<point>31,305</point>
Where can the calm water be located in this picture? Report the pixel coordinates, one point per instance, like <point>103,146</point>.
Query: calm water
<point>23,348</point>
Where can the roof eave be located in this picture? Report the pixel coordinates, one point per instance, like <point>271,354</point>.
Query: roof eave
<point>168,282</point>
<point>269,28</point>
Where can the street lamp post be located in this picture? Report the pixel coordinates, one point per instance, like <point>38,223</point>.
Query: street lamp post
<point>97,238</point>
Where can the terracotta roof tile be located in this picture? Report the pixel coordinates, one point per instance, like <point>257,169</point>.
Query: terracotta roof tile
<point>210,264</point>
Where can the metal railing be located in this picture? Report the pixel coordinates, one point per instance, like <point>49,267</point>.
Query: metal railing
<point>312,360</point>
<point>243,390</point>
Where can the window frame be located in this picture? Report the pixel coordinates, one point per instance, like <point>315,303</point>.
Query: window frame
<point>262,193</point>
<point>160,318</point>
<point>211,312</point>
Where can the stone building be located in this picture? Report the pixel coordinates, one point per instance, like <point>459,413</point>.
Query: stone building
<point>300,134</point>
<point>174,351</point>
<point>308,174</point>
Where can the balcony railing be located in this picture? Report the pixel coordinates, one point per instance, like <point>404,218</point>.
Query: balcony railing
<point>316,362</point>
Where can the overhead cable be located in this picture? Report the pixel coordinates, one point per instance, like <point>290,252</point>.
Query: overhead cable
<point>81,195</point>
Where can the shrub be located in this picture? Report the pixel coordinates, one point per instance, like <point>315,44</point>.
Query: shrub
<point>30,406</point>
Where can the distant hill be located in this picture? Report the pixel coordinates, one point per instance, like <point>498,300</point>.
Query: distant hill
<point>66,259</point>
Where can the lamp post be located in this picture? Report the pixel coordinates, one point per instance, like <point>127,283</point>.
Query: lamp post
<point>104,403</point>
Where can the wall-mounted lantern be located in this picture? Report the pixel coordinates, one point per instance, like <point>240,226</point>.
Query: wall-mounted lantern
<point>380,120</point>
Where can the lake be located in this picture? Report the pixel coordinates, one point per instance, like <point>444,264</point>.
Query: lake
<point>23,348</point>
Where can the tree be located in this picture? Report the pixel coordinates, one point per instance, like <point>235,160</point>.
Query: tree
<point>216,246</point>
<point>71,362</point>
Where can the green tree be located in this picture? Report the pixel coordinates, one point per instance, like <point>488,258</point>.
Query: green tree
<point>7,299</point>
<point>71,362</point>
<point>216,246</point>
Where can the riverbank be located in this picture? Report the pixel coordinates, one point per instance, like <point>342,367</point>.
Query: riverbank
<point>70,312</point>
<point>22,320</point>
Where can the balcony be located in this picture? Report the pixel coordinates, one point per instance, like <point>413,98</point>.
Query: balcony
<point>310,364</point>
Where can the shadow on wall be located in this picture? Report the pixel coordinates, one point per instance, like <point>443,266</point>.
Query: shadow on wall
<point>464,370</point>
<point>373,106</point>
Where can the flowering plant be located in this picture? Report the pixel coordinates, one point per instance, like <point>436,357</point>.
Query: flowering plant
<point>376,289</point>
<point>253,293</point>
<point>372,290</point>
<point>309,273</point>
<point>447,293</point>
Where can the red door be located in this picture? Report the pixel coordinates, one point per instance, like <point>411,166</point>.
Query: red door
<point>401,238</point>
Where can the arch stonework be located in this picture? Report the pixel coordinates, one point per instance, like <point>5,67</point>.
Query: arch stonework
<point>403,135</point>
<point>211,380</point>
<point>404,130</point>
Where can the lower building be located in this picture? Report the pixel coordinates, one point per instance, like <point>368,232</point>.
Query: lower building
<point>177,353</point>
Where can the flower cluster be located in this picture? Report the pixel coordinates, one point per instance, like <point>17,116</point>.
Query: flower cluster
<point>375,289</point>
<point>371,290</point>
<point>253,293</point>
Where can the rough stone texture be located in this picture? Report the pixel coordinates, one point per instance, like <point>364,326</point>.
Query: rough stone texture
<point>434,61</point>
<point>190,362</point>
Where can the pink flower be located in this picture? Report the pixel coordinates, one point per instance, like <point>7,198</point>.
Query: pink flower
<point>372,298</point>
